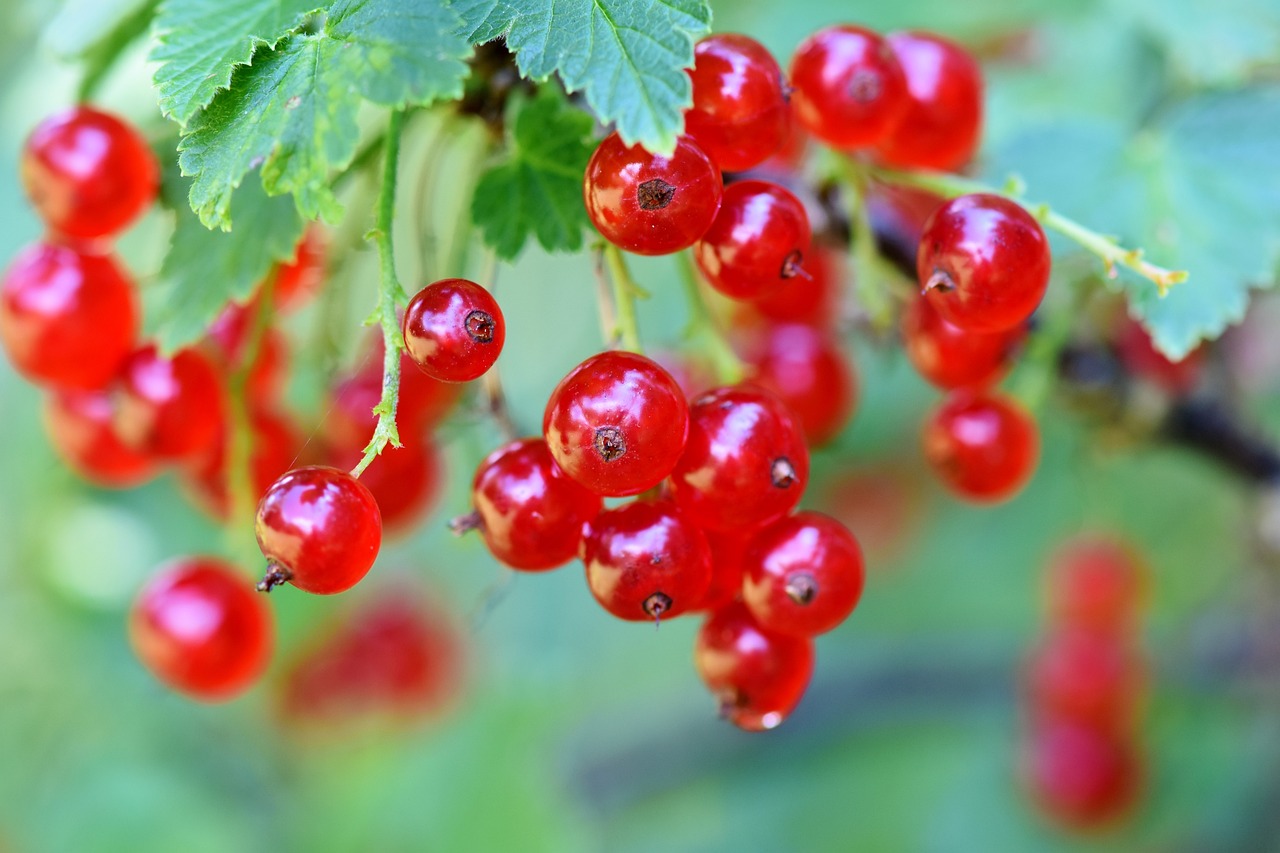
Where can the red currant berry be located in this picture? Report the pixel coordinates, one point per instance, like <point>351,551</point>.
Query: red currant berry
<point>170,408</point>
<point>454,330</point>
<point>727,569</point>
<point>804,574</point>
<point>405,481</point>
<point>648,204</point>
<point>949,357</point>
<point>848,88</point>
<point>646,561</point>
<point>806,369</point>
<point>757,242</point>
<point>812,298</point>
<point>1140,357</point>
<point>758,675</point>
<point>530,513</point>
<point>297,280</point>
<point>1081,777</point>
<point>1085,677</point>
<point>983,263</point>
<point>274,447</point>
<point>984,447</point>
<point>227,338</point>
<point>200,629</point>
<point>1098,584</point>
<point>319,529</point>
<point>789,158</point>
<point>942,122</point>
<point>67,318</point>
<point>745,463</point>
<point>80,430</point>
<point>740,112</point>
<point>88,173</point>
<point>617,423</point>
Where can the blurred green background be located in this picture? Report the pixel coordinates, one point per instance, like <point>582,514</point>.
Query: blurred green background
<point>575,731</point>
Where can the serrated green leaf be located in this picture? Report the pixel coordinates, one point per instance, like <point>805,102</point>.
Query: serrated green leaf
<point>199,44</point>
<point>627,56</point>
<point>293,111</point>
<point>537,190</point>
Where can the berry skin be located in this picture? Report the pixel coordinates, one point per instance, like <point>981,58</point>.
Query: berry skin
<point>740,112</point>
<point>169,408</point>
<point>298,280</point>
<point>727,552</point>
<point>758,675</point>
<point>226,341</point>
<point>531,514</point>
<point>199,628</point>
<point>454,330</point>
<point>948,356</point>
<point>807,371</point>
<point>804,575</point>
<point>646,561</point>
<point>983,263</point>
<point>984,447</point>
<point>647,204</point>
<point>1097,584</point>
<point>745,462</point>
<point>1082,778</point>
<point>68,318</point>
<point>617,423</point>
<point>88,173</point>
<point>848,88</point>
<point>1085,677</point>
<point>80,430</point>
<point>319,529</point>
<point>812,299</point>
<point>405,481</point>
<point>942,123</point>
<point>757,242</point>
<point>275,446</point>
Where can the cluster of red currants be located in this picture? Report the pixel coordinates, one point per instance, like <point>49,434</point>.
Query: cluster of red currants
<point>1084,685</point>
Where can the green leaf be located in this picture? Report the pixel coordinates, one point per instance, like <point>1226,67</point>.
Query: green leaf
<point>1218,43</point>
<point>293,112</point>
<point>1198,190</point>
<point>96,32</point>
<point>627,56</point>
<point>537,191</point>
<point>199,43</point>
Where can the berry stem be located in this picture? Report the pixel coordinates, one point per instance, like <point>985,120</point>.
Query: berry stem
<point>625,330</point>
<point>872,275</point>
<point>390,295</point>
<point>703,331</point>
<point>1113,255</point>
<point>495,396</point>
<point>239,428</point>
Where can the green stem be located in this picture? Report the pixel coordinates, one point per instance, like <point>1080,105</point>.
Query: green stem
<point>703,330</point>
<point>390,295</point>
<point>1106,248</point>
<point>625,293</point>
<point>240,426</point>
<point>870,277</point>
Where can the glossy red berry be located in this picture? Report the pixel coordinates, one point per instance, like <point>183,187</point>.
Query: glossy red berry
<point>812,298</point>
<point>984,447</point>
<point>617,423</point>
<point>1086,677</point>
<point>68,318</point>
<point>648,204</point>
<point>758,241</point>
<point>758,675</point>
<point>88,173</point>
<point>199,627</point>
<point>942,123</point>
<point>274,444</point>
<point>405,481</point>
<point>646,561</point>
<point>727,570</point>
<point>319,529</point>
<point>79,424</point>
<point>1097,583</point>
<point>170,408</point>
<point>807,370</point>
<point>848,88</point>
<point>739,115</point>
<point>949,357</point>
<point>530,513</point>
<point>983,263</point>
<point>804,574</point>
<point>1081,777</point>
<point>745,462</point>
<point>454,330</point>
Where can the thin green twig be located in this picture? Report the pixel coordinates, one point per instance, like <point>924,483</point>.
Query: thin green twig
<point>703,331</point>
<point>625,293</point>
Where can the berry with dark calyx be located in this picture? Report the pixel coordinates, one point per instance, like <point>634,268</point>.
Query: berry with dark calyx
<point>319,529</point>
<point>983,263</point>
<point>942,123</point>
<point>274,446</point>
<point>297,280</point>
<point>984,447</point>
<point>745,462</point>
<point>169,408</point>
<point>804,574</point>
<point>648,204</point>
<point>646,561</point>
<point>1085,677</point>
<point>454,330</point>
<point>530,513</point>
<point>617,423</point>
<point>79,424</point>
<point>1081,777</point>
<point>950,357</point>
<point>727,570</point>
<point>68,317</point>
<point>88,173</point>
<point>758,240</point>
<point>758,675</point>
<point>1097,583</point>
<point>739,115</point>
<point>848,88</point>
<point>807,370</point>
<point>812,298</point>
<point>199,627</point>
<point>405,481</point>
